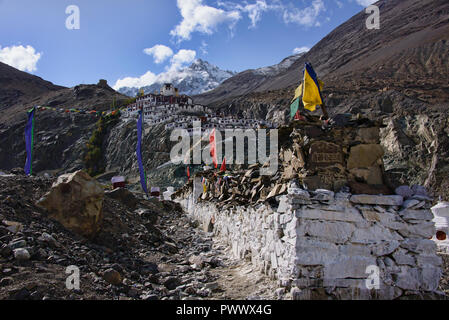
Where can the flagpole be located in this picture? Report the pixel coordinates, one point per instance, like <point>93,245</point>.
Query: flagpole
<point>323,108</point>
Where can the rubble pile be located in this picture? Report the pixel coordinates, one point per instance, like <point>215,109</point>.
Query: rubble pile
<point>142,249</point>
<point>344,153</point>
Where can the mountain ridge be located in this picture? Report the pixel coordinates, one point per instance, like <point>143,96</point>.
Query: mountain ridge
<point>199,77</point>
<point>352,55</point>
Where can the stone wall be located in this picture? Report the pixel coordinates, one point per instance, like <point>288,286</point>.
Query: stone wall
<point>319,244</point>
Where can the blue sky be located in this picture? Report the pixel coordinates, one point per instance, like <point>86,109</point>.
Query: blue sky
<point>136,40</point>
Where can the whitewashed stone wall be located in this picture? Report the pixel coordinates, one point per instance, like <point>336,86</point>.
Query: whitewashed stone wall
<point>320,244</point>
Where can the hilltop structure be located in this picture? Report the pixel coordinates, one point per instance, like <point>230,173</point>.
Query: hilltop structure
<point>179,111</point>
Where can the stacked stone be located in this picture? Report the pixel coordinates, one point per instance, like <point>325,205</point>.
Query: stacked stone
<point>339,236</point>
<point>333,158</point>
<point>346,154</point>
<point>322,245</point>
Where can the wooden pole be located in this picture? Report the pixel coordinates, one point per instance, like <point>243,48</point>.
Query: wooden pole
<point>323,108</point>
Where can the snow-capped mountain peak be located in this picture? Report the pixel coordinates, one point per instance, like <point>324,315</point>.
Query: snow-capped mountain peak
<point>201,76</point>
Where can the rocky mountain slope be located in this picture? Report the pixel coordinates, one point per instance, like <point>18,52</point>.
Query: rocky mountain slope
<point>395,75</point>
<point>247,81</point>
<point>17,86</point>
<point>409,53</point>
<point>199,77</point>
<point>98,97</point>
<point>398,74</point>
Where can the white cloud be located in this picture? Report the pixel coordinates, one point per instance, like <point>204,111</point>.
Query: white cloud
<point>256,9</point>
<point>182,57</point>
<point>159,52</point>
<point>365,3</point>
<point>300,50</point>
<point>179,60</point>
<point>197,17</point>
<point>147,78</point>
<point>306,17</point>
<point>253,10</point>
<point>203,48</point>
<point>20,57</point>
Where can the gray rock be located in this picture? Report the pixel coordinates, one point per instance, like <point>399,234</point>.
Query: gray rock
<point>421,246</point>
<point>18,244</point>
<point>404,191</point>
<point>112,276</point>
<point>6,251</point>
<point>323,195</point>
<point>171,283</point>
<point>6,281</point>
<point>419,190</point>
<point>212,286</point>
<point>410,203</point>
<point>21,254</point>
<point>378,200</point>
<point>409,214</point>
<point>402,258</point>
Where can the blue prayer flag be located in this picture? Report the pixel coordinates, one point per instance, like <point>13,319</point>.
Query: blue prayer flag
<point>29,141</point>
<point>143,176</point>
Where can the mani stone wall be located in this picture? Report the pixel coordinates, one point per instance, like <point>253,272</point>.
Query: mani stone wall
<point>319,244</point>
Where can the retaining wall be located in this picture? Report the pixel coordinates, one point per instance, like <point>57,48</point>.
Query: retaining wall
<point>320,244</point>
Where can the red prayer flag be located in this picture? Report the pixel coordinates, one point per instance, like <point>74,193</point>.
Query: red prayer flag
<point>223,165</point>
<point>213,148</point>
<point>188,172</point>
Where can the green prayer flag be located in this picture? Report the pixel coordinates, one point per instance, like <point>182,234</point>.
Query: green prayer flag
<point>294,108</point>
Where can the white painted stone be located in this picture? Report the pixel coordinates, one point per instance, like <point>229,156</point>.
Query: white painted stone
<point>286,217</point>
<point>274,261</point>
<point>395,200</point>
<point>441,209</point>
<point>284,204</point>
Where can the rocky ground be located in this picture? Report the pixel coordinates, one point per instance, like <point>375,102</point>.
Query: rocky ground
<point>145,250</point>
<point>444,283</point>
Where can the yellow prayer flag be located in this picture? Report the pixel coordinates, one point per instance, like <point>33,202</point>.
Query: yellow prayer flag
<point>298,92</point>
<point>311,95</point>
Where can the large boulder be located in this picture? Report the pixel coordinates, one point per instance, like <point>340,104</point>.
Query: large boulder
<point>124,196</point>
<point>76,200</point>
<point>365,156</point>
